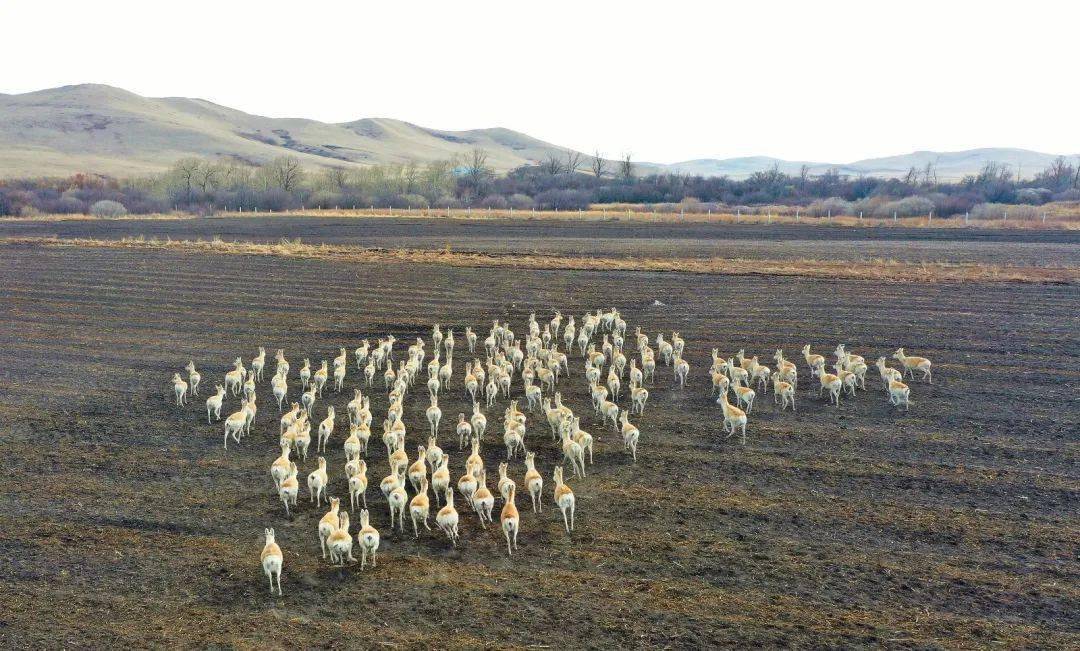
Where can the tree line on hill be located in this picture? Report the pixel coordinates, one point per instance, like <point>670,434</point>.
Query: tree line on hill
<point>567,182</point>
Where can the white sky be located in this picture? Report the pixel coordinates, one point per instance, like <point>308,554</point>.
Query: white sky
<point>668,81</point>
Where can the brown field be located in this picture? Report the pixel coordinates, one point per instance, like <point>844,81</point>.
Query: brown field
<point>954,525</point>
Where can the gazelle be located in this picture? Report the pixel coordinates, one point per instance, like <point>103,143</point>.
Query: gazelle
<point>358,484</point>
<point>420,507</point>
<point>734,418</point>
<point>475,462</point>
<point>214,402</point>
<point>234,379</point>
<point>340,542</point>
<point>482,499</point>
<point>899,393</point>
<point>848,380</point>
<point>235,423</point>
<point>828,381</point>
<point>368,537</point>
<point>788,372</point>
<point>353,446</point>
<point>280,387</point>
<point>504,479</point>
<point>257,364</point>
<point>316,482</point>
<point>464,430</point>
<point>630,435</point>
<point>434,415</point>
<point>279,469</point>
<point>418,470</point>
<point>289,417</point>
<point>783,392</point>
<point>289,488</point>
<point>638,397</point>
<point>440,478</point>
<point>887,373</point>
<point>305,374</point>
<point>910,363</point>
<point>744,396</point>
<point>397,501</point>
<point>447,518</point>
<point>812,360</point>
<point>682,370</point>
<point>180,389</point>
<point>272,560</point>
<point>511,522</point>
<point>282,367</point>
<point>318,379</point>
<point>194,377</point>
<point>534,481</point>
<point>328,523</point>
<point>564,499</point>
<point>326,428</point>
<point>308,400</point>
<point>339,378</point>
<point>573,453</point>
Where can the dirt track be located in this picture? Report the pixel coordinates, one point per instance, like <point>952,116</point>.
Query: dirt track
<point>127,524</point>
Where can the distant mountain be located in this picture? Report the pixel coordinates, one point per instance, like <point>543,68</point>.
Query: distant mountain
<point>106,130</point>
<point>949,165</point>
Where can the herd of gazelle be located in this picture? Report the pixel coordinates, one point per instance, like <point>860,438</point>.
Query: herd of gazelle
<point>739,374</point>
<point>540,364</point>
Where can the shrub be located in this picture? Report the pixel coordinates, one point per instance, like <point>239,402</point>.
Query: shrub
<point>563,199</point>
<point>520,201</point>
<point>832,206</point>
<point>906,207</point>
<point>999,210</point>
<point>325,199</point>
<point>1033,196</point>
<point>494,202</point>
<point>1072,194</point>
<point>108,208</point>
<point>414,201</point>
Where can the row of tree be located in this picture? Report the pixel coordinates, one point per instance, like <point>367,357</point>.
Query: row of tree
<point>566,181</point>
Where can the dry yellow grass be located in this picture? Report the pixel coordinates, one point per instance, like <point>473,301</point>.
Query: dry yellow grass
<point>879,270</point>
<point>1060,221</point>
<point>1059,217</point>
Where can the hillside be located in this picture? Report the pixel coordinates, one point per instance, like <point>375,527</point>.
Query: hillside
<point>95,128</point>
<point>950,166</point>
<point>107,130</point>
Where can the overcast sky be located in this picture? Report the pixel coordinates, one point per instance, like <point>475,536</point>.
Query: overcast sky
<point>667,81</point>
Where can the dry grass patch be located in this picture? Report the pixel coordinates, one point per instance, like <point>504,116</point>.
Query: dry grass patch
<point>878,270</point>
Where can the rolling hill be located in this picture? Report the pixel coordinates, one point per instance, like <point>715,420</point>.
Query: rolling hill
<point>106,130</point>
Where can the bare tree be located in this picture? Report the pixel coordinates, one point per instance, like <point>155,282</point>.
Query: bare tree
<point>552,165</point>
<point>477,171</point>
<point>626,167</point>
<point>912,177</point>
<point>207,176</point>
<point>286,172</point>
<point>573,161</point>
<point>186,171</point>
<point>930,174</point>
<point>410,174</point>
<point>336,178</point>
<point>598,164</point>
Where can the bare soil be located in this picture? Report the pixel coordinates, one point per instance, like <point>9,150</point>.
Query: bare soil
<point>125,523</point>
<point>601,238</point>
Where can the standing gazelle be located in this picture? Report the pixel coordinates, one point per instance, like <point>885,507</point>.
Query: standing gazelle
<point>272,560</point>
<point>910,363</point>
<point>564,498</point>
